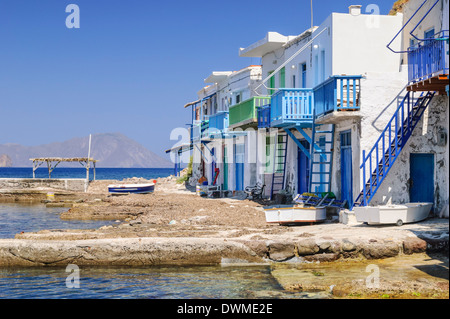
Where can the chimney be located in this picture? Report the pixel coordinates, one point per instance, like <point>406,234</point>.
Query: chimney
<point>354,10</point>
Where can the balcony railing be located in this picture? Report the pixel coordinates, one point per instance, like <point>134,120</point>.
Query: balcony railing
<point>246,112</point>
<point>291,107</point>
<point>198,129</point>
<point>428,58</point>
<point>338,93</point>
<point>218,124</point>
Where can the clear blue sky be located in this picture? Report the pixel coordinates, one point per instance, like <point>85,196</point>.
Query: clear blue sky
<point>132,64</point>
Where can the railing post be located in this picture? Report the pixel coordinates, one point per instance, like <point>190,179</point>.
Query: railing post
<point>403,120</point>
<point>363,202</point>
<point>383,152</point>
<point>370,174</point>
<point>396,132</point>
<point>390,141</point>
<point>335,92</point>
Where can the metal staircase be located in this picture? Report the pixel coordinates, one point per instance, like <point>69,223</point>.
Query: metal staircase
<point>389,145</point>
<point>279,164</point>
<point>321,158</point>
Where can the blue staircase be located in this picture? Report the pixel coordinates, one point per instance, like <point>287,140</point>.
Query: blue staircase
<point>321,157</point>
<point>389,145</point>
<point>279,164</point>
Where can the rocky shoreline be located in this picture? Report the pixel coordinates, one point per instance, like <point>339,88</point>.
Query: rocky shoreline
<point>174,226</point>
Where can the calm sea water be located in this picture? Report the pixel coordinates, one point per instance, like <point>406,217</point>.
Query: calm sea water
<point>16,218</point>
<point>80,172</point>
<point>199,282</point>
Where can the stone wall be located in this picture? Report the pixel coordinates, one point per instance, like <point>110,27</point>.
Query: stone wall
<point>34,183</point>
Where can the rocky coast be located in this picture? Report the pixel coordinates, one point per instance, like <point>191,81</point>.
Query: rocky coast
<point>174,226</point>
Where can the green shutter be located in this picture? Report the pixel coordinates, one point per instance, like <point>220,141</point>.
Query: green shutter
<point>282,78</point>
<point>271,83</point>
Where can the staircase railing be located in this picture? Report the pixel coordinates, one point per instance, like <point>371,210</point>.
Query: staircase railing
<point>380,159</point>
<point>407,22</point>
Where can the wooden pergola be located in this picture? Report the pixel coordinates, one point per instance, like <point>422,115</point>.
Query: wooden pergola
<point>52,162</point>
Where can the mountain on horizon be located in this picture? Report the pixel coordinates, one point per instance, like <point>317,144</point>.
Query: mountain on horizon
<point>110,149</point>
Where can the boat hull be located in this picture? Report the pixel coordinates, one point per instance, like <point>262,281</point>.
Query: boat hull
<point>393,214</point>
<point>131,189</point>
<point>289,214</point>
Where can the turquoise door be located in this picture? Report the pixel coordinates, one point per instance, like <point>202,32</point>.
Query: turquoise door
<point>239,166</point>
<point>302,169</point>
<point>421,178</point>
<point>346,168</point>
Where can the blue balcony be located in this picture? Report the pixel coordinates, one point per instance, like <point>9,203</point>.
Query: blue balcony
<point>198,130</point>
<point>292,107</point>
<point>428,64</point>
<point>338,93</point>
<point>218,124</point>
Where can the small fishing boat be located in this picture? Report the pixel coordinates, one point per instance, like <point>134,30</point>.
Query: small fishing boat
<point>393,214</point>
<point>292,214</point>
<point>132,188</point>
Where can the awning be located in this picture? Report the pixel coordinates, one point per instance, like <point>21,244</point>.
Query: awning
<point>180,148</point>
<point>200,100</point>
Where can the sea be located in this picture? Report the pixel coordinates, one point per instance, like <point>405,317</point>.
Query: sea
<point>80,172</point>
<point>175,283</point>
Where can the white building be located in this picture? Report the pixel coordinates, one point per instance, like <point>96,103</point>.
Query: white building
<point>216,147</point>
<point>349,44</point>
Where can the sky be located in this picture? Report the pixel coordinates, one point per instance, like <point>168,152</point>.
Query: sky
<point>131,65</point>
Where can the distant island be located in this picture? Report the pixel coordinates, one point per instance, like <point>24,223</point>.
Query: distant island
<point>110,149</point>
<point>5,161</point>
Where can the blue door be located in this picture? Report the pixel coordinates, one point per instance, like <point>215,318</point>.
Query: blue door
<point>421,178</point>
<point>239,166</point>
<point>302,169</point>
<point>346,168</point>
<point>303,75</point>
<point>323,176</point>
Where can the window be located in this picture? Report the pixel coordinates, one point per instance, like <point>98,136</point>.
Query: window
<point>412,43</point>
<point>429,34</point>
<point>346,139</point>
<point>293,81</point>
<point>238,98</point>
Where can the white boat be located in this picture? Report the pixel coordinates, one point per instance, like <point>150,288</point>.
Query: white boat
<point>131,188</point>
<point>393,214</point>
<point>291,214</point>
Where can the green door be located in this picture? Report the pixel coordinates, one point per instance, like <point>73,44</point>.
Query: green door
<point>282,78</point>
<point>271,83</point>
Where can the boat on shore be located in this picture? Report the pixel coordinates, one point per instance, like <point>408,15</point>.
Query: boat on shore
<point>393,214</point>
<point>293,214</point>
<point>132,188</point>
